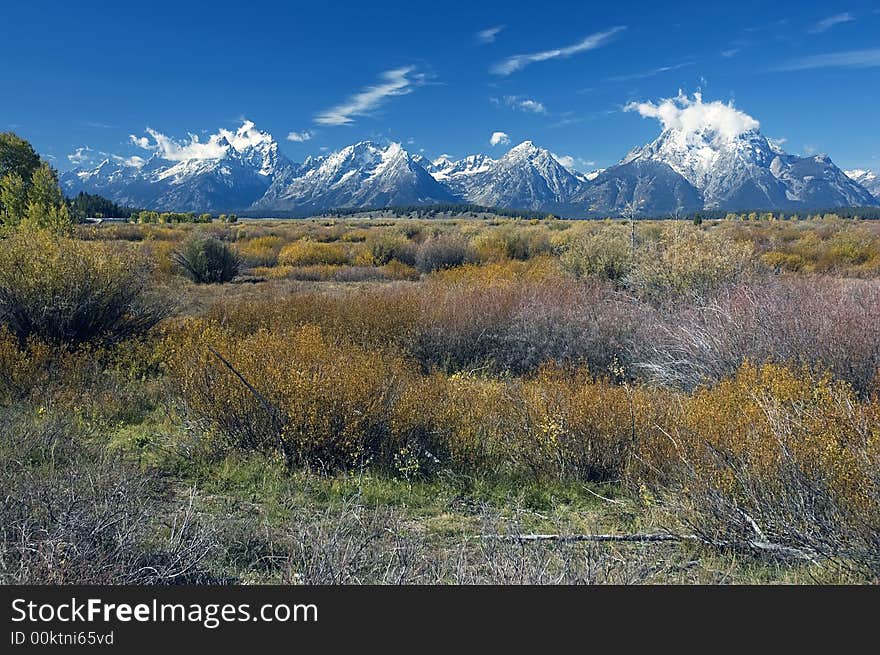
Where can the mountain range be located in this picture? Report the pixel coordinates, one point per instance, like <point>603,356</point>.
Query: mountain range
<point>679,172</point>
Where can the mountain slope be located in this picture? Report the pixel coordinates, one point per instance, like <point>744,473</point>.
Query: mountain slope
<point>239,170</point>
<point>653,186</point>
<point>714,157</point>
<point>868,179</point>
<point>527,177</point>
<point>362,175</point>
<point>721,151</point>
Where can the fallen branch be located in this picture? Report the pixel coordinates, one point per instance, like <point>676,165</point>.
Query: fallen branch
<point>764,546</point>
<point>589,537</point>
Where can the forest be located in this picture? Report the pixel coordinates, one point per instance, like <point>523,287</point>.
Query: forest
<point>347,400</point>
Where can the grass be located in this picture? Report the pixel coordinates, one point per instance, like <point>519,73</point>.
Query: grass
<point>530,292</point>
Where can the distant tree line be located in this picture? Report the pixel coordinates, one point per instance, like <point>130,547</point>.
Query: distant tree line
<point>431,211</point>
<point>865,213</point>
<point>163,218</point>
<point>88,205</point>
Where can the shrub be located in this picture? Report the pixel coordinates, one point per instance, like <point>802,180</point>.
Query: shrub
<point>818,322</point>
<point>442,251</point>
<point>260,251</point>
<point>69,292</point>
<point>686,262</point>
<point>780,461</point>
<point>315,402</point>
<point>206,260</point>
<point>512,241</point>
<point>307,253</point>
<point>606,254</point>
<point>516,325</point>
<point>385,247</point>
<point>397,270</point>
<point>74,514</point>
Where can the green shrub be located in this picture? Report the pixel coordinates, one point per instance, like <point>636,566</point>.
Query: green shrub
<point>70,292</point>
<point>206,260</point>
<point>605,254</point>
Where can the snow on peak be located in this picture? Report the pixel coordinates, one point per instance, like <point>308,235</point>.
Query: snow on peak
<point>526,147</point>
<point>247,136</point>
<point>865,178</point>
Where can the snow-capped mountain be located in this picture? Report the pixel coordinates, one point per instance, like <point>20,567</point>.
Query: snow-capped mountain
<point>231,170</point>
<point>868,179</point>
<point>527,177</point>
<point>721,152</point>
<point>362,175</point>
<point>714,163</point>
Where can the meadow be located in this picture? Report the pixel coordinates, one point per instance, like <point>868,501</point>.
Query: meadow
<point>459,400</point>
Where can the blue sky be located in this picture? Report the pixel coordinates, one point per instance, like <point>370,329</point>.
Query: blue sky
<point>441,77</point>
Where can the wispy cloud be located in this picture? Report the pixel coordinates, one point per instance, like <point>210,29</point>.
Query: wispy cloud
<point>651,73</point>
<point>522,104</point>
<point>300,137</point>
<point>80,155</point>
<point>827,23</point>
<point>848,59</point>
<point>499,138</point>
<point>730,52</point>
<point>518,62</point>
<point>573,163</point>
<point>490,34</point>
<point>395,82</point>
<point>98,125</point>
<point>86,156</point>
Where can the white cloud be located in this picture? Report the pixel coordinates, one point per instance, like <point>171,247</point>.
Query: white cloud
<point>572,163</point>
<point>827,23</point>
<point>87,156</point>
<point>141,142</point>
<point>499,138</point>
<point>692,116</point>
<point>396,82</point>
<point>651,73</point>
<point>80,155</point>
<point>732,52</point>
<point>133,161</point>
<point>565,160</point>
<point>299,137</point>
<point>176,151</point>
<point>525,104</point>
<point>777,143</point>
<point>215,147</point>
<point>489,35</point>
<point>518,62</point>
<point>848,59</point>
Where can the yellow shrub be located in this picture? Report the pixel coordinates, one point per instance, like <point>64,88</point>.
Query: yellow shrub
<point>319,403</point>
<point>396,270</point>
<point>305,253</point>
<point>772,417</point>
<point>261,251</point>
